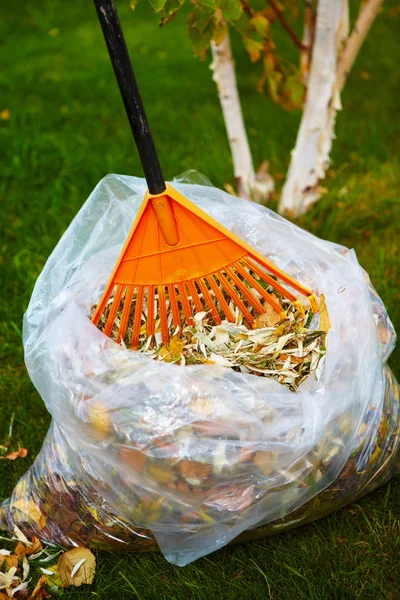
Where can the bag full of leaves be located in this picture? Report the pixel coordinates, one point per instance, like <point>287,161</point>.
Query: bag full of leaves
<point>225,433</point>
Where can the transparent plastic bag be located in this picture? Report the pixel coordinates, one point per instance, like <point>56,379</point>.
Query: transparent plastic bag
<point>143,454</point>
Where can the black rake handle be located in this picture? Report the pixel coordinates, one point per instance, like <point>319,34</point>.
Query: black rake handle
<point>130,94</point>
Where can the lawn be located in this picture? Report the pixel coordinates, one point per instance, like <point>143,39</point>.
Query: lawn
<point>67,129</point>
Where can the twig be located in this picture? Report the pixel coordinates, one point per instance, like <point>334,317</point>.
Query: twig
<point>247,8</point>
<point>286,26</point>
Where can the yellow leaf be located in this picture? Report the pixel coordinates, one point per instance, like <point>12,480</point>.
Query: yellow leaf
<point>77,566</point>
<point>56,578</point>
<point>324,322</point>
<point>5,115</point>
<point>219,33</point>
<point>29,509</point>
<point>100,420</point>
<point>374,456</point>
<point>172,351</point>
<point>161,475</point>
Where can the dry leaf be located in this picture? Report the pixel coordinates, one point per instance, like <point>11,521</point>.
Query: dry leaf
<point>324,322</point>
<point>53,577</point>
<point>84,573</point>
<point>30,510</point>
<point>134,458</point>
<point>39,591</point>
<point>172,351</point>
<point>265,461</point>
<point>11,561</point>
<point>34,548</point>
<point>269,318</point>
<point>20,453</point>
<point>100,420</point>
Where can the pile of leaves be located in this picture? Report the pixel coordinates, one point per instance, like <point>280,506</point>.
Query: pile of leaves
<point>72,568</point>
<point>286,350</point>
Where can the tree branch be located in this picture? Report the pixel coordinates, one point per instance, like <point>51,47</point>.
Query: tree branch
<point>353,44</point>
<point>286,26</point>
<point>247,8</point>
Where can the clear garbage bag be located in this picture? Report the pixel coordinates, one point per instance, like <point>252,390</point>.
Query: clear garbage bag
<point>144,454</point>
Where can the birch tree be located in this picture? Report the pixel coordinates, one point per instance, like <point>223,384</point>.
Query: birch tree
<point>326,53</point>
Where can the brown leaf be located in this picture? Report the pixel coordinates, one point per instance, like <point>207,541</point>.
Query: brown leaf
<point>265,461</point>
<point>11,561</point>
<point>269,318</point>
<point>20,453</point>
<point>22,550</point>
<point>134,458</point>
<point>69,561</point>
<point>39,591</point>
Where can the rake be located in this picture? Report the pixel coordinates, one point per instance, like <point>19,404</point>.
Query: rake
<point>177,261</point>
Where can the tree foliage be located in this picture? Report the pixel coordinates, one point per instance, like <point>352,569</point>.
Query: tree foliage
<point>208,20</point>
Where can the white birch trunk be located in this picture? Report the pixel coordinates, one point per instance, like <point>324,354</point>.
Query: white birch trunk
<point>248,183</point>
<point>310,157</point>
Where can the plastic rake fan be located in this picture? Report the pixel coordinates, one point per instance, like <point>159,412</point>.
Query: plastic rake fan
<point>178,261</point>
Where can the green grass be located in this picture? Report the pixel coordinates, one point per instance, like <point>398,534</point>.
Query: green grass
<point>68,129</point>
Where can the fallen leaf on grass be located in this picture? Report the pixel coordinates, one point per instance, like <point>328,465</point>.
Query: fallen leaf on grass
<point>77,566</point>
<point>20,453</point>
<point>10,561</point>
<point>34,547</point>
<point>29,509</point>
<point>39,591</point>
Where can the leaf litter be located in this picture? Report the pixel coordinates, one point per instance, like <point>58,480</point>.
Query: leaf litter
<point>287,350</point>
<point>73,568</point>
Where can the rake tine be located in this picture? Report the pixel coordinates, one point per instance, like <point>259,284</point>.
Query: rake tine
<point>113,310</point>
<point>209,301</point>
<point>185,303</point>
<point>254,283</point>
<point>268,279</point>
<point>125,313</point>
<point>220,298</point>
<point>174,305</point>
<point>195,296</point>
<point>100,308</point>
<point>163,314</point>
<point>247,315</point>
<point>150,311</point>
<point>138,317</point>
<point>256,304</point>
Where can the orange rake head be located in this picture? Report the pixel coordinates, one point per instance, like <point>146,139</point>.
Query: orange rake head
<point>177,261</point>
